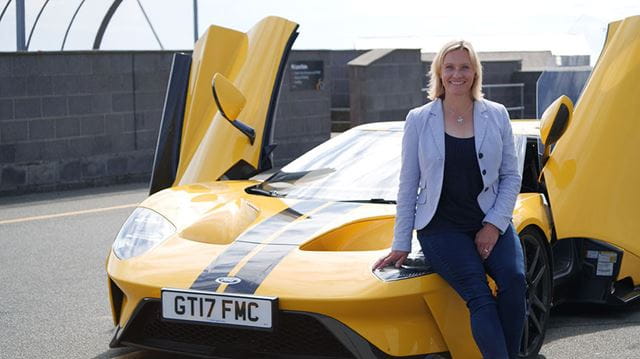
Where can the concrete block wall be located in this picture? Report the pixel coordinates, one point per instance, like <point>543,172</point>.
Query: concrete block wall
<point>303,117</point>
<point>384,85</point>
<point>574,60</point>
<point>529,79</point>
<point>501,72</point>
<point>77,119</point>
<point>336,83</point>
<point>339,74</point>
<point>340,91</point>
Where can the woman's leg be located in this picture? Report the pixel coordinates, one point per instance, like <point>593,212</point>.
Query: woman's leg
<point>454,256</point>
<point>506,266</point>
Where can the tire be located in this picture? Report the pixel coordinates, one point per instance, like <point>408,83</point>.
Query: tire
<point>538,273</point>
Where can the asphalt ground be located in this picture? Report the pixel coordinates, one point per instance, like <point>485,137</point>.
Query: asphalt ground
<point>53,293</point>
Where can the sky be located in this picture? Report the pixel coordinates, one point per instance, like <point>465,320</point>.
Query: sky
<point>566,27</point>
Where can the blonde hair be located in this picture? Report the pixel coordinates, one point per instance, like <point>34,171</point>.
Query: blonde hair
<point>436,89</point>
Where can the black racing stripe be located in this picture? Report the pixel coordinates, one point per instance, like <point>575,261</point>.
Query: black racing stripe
<point>300,232</point>
<point>259,233</point>
<point>222,265</point>
<point>246,242</point>
<point>258,268</point>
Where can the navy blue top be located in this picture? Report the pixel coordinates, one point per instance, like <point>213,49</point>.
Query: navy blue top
<point>458,208</point>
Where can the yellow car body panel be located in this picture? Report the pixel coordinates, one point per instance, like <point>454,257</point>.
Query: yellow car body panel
<point>211,145</point>
<point>452,317</point>
<point>593,173</point>
<point>532,210</point>
<point>200,108</point>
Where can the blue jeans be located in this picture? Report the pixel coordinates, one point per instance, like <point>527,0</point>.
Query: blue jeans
<point>496,323</point>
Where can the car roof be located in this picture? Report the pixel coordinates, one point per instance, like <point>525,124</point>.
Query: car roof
<point>395,126</point>
<point>529,128</point>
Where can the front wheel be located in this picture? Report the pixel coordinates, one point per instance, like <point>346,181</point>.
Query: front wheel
<point>539,291</point>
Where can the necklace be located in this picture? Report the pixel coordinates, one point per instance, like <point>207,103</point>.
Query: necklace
<point>459,117</point>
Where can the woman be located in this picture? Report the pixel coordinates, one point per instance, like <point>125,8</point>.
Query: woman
<point>458,186</point>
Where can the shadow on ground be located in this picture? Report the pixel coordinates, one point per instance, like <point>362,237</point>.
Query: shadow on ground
<point>590,318</point>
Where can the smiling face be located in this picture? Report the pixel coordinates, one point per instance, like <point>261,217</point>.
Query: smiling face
<point>457,73</point>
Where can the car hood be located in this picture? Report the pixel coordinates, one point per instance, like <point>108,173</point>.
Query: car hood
<point>222,231</point>
<point>222,212</point>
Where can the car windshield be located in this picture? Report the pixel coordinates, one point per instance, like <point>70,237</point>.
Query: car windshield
<point>358,165</point>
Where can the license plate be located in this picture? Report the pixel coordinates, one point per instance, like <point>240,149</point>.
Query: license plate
<point>219,308</point>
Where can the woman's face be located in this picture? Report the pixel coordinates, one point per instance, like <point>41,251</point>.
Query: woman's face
<point>457,73</point>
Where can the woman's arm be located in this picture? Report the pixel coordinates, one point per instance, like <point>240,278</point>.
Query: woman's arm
<point>509,179</point>
<point>408,186</point>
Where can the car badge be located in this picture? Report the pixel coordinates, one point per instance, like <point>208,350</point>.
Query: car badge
<point>228,280</point>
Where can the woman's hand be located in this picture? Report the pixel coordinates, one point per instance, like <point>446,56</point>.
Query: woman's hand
<point>486,239</point>
<point>394,257</point>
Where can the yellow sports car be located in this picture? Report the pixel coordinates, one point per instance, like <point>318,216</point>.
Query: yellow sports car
<point>218,264</point>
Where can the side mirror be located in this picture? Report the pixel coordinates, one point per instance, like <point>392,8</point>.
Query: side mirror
<point>230,102</point>
<point>554,123</point>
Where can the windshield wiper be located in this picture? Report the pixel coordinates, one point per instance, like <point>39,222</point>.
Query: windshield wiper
<point>262,192</point>
<point>372,200</point>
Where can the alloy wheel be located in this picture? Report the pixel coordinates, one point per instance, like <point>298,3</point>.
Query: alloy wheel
<point>539,291</point>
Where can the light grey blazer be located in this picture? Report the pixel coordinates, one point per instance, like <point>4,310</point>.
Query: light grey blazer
<point>422,169</point>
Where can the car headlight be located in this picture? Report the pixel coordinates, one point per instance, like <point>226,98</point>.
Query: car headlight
<point>414,266</point>
<point>143,230</point>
